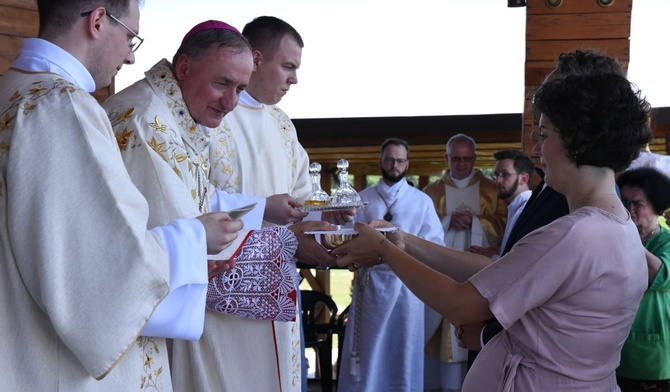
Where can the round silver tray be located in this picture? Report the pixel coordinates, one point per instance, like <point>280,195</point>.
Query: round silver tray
<point>351,231</point>
<point>331,207</point>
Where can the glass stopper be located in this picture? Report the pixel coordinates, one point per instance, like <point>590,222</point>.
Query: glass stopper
<point>345,195</point>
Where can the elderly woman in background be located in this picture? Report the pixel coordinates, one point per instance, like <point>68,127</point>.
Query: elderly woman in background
<point>645,357</point>
<point>566,293</point>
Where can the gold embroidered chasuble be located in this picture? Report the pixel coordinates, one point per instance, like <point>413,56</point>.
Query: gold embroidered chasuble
<point>254,151</point>
<point>154,128</point>
<point>80,275</point>
<point>167,155</point>
<point>492,210</point>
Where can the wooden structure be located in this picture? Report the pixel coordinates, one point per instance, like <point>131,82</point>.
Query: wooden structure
<point>552,27</point>
<point>572,24</point>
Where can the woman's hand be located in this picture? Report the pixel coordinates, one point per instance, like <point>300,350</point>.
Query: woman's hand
<point>309,251</point>
<point>362,250</point>
<point>396,237</point>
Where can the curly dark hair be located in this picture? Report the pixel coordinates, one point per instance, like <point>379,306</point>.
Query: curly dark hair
<point>580,62</point>
<point>588,62</point>
<point>601,119</point>
<point>654,184</point>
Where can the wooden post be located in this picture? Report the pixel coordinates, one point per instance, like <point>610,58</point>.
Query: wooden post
<point>575,24</point>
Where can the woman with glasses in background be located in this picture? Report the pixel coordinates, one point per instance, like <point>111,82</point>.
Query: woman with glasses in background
<point>645,357</point>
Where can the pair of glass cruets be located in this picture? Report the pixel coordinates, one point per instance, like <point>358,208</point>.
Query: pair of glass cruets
<point>344,196</point>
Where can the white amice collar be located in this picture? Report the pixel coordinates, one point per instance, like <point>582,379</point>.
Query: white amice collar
<point>39,55</point>
<point>464,182</point>
<point>248,100</point>
<point>392,192</point>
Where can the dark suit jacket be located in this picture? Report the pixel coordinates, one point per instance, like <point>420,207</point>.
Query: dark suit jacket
<point>542,208</point>
<point>539,211</point>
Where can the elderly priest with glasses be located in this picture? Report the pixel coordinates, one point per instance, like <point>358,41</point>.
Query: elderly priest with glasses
<point>467,203</point>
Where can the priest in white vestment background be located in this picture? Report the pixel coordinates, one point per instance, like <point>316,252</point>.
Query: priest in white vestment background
<point>383,346</point>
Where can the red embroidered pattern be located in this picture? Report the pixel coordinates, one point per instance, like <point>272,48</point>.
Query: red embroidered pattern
<point>262,286</point>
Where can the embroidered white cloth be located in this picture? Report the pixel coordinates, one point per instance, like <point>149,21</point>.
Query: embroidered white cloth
<point>262,285</point>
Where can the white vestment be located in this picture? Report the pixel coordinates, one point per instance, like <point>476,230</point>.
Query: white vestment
<point>255,151</point>
<point>81,275</point>
<point>166,153</point>
<point>384,340</point>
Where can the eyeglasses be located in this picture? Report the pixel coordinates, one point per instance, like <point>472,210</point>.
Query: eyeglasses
<point>135,42</point>
<point>505,175</point>
<point>461,159</point>
<point>399,161</point>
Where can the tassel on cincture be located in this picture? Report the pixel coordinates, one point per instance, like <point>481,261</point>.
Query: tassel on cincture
<point>355,367</point>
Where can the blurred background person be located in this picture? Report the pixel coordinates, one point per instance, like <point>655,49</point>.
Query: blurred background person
<point>384,345</point>
<point>471,213</point>
<point>513,172</point>
<point>645,357</point>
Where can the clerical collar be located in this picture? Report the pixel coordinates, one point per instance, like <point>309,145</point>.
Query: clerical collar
<point>464,182</point>
<point>39,55</point>
<point>247,100</point>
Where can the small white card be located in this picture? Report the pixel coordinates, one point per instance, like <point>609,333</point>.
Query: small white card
<point>238,213</point>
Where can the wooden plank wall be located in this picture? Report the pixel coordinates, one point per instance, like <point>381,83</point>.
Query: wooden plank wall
<point>574,24</point>
<point>18,20</point>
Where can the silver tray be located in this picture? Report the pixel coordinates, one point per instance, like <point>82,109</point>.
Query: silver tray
<point>331,207</point>
<point>351,231</point>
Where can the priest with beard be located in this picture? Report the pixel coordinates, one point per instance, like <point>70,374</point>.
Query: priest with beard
<point>383,348</point>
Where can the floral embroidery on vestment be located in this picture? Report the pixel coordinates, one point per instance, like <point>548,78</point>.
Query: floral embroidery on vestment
<point>152,379</point>
<point>26,102</point>
<point>288,136</point>
<point>225,163</point>
<point>178,140</point>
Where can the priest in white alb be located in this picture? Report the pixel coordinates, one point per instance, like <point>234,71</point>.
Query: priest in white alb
<point>383,346</point>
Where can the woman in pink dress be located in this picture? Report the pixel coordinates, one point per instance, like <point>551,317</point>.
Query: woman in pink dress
<point>566,293</point>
